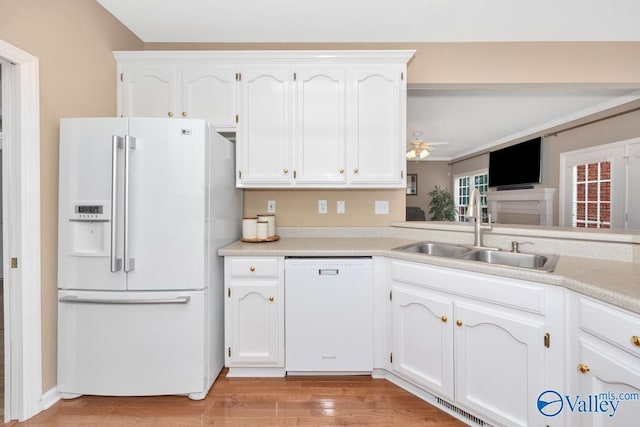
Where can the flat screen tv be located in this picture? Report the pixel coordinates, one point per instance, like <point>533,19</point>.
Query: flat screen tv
<point>517,166</point>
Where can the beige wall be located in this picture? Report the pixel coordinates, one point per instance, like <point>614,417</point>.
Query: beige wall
<point>73,41</point>
<point>300,207</point>
<point>430,174</point>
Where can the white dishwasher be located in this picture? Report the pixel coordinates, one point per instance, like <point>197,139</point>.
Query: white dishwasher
<point>328,315</point>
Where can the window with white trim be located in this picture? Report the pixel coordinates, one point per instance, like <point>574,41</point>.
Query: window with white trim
<point>591,204</point>
<point>463,186</point>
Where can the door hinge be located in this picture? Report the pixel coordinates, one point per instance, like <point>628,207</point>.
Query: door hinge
<point>390,357</point>
<point>229,292</point>
<point>390,295</point>
<point>229,351</point>
<point>237,118</point>
<point>295,76</point>
<point>239,174</point>
<point>14,262</point>
<point>402,76</point>
<point>238,77</point>
<point>121,77</point>
<point>547,340</point>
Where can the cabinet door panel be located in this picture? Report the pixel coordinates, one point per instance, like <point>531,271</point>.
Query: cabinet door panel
<point>264,133</point>
<point>612,373</point>
<point>149,91</point>
<point>256,335</point>
<point>208,92</point>
<point>423,338</point>
<point>377,134</point>
<point>499,363</point>
<point>320,125</point>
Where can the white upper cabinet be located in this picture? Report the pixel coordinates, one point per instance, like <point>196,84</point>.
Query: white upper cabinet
<point>148,91</point>
<point>263,140</point>
<point>378,131</point>
<point>209,92</point>
<point>306,119</point>
<point>320,130</point>
<point>158,85</point>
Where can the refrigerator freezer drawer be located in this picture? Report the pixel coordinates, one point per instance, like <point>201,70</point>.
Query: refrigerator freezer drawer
<point>131,344</point>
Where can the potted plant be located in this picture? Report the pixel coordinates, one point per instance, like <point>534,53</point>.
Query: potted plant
<point>441,205</point>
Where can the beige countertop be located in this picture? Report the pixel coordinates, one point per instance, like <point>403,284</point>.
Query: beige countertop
<point>614,282</point>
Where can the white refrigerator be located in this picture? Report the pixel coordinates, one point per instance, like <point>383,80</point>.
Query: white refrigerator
<point>144,205</point>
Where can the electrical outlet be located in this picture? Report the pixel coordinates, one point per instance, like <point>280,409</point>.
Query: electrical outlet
<point>322,206</point>
<point>340,207</point>
<point>382,207</point>
<point>271,206</point>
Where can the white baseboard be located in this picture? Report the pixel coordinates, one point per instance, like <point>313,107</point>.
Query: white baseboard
<point>49,399</point>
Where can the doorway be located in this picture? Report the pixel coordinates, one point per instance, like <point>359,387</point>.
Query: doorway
<point>21,224</point>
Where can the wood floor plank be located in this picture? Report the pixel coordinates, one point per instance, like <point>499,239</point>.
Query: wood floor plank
<point>237,402</point>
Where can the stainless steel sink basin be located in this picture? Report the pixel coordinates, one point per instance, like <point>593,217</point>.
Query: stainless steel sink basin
<point>536,262</point>
<point>511,259</point>
<point>436,249</point>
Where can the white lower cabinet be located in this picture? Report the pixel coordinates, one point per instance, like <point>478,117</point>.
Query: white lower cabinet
<point>499,362</point>
<point>479,342</point>
<point>254,315</point>
<point>605,366</point>
<point>423,337</point>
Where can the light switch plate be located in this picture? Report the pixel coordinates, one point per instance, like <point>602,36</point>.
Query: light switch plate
<point>382,207</point>
<point>340,207</point>
<point>271,206</point>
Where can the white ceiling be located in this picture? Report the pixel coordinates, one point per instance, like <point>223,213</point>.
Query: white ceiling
<point>471,120</point>
<point>378,20</point>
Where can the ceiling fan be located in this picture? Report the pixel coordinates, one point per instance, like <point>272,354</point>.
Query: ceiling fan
<point>417,148</point>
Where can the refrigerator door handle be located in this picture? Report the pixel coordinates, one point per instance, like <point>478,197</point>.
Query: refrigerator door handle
<point>129,144</point>
<point>76,300</point>
<point>116,144</point>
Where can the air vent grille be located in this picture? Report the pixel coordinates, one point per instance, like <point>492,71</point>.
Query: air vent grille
<point>459,411</point>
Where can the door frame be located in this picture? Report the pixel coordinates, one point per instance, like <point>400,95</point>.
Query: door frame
<point>21,210</point>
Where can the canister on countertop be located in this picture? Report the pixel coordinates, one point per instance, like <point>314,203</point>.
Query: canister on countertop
<point>271,220</point>
<point>262,229</point>
<point>249,227</point>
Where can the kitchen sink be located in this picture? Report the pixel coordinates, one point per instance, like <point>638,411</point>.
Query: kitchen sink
<point>536,262</point>
<point>512,259</point>
<point>436,249</point>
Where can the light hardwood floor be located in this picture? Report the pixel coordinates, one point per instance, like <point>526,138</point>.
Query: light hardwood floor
<point>305,401</point>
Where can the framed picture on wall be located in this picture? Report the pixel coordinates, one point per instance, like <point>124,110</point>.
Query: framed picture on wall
<point>412,184</point>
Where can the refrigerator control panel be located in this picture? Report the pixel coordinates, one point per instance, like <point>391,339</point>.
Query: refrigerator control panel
<point>94,212</point>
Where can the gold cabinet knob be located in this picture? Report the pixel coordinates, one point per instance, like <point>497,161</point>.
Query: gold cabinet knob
<point>252,268</point>
<point>355,170</point>
<point>271,299</point>
<point>341,170</point>
<point>635,340</point>
<point>184,114</point>
<point>583,368</point>
<point>459,322</point>
<point>444,319</point>
<point>170,113</point>
<point>285,170</point>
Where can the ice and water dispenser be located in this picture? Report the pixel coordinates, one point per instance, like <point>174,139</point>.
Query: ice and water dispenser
<point>90,232</point>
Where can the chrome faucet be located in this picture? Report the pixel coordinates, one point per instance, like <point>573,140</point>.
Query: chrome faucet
<point>475,211</point>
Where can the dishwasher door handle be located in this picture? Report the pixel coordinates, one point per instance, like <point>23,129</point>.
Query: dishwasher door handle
<point>328,271</point>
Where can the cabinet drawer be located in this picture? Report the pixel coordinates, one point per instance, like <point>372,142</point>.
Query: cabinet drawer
<point>610,323</point>
<point>253,267</point>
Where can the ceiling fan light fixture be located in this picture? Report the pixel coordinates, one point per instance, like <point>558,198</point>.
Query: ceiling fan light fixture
<point>424,153</point>
<point>411,154</point>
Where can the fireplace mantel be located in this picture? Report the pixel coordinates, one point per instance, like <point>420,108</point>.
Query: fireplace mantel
<point>532,203</point>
